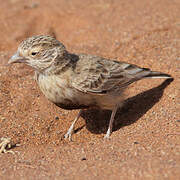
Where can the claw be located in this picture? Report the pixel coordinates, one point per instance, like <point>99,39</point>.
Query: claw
<point>68,135</point>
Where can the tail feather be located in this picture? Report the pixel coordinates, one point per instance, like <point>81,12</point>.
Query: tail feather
<point>155,74</point>
<point>138,73</point>
<point>135,73</point>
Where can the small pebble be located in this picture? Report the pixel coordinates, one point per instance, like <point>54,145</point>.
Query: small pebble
<point>83,159</point>
<point>56,118</point>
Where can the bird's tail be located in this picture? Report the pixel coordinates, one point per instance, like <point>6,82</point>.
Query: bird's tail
<point>156,74</point>
<point>138,73</point>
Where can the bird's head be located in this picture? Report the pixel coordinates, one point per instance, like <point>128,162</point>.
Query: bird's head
<point>38,52</point>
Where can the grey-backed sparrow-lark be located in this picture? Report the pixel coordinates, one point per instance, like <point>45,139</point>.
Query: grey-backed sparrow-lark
<point>79,81</point>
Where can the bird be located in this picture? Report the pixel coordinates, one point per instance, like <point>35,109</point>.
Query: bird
<point>79,81</point>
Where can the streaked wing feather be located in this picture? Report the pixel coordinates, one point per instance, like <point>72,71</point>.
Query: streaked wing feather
<point>99,75</point>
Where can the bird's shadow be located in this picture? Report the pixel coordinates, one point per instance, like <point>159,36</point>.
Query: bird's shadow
<point>134,107</point>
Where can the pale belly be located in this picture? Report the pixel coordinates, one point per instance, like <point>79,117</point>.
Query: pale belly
<point>63,95</point>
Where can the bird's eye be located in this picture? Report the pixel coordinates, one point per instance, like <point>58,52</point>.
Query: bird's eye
<point>33,53</point>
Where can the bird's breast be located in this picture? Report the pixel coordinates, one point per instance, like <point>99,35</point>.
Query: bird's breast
<point>55,88</point>
<point>58,90</point>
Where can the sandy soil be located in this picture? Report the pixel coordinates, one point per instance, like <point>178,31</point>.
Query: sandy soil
<point>145,143</point>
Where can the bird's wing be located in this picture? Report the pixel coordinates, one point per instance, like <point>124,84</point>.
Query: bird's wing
<point>98,75</point>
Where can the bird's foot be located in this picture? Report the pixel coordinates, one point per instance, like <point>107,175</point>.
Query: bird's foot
<point>68,136</point>
<point>108,133</point>
<point>69,133</point>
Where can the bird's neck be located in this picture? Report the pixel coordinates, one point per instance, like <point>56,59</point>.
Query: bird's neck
<point>61,64</point>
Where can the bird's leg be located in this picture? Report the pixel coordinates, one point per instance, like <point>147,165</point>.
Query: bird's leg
<point>70,130</point>
<point>109,131</point>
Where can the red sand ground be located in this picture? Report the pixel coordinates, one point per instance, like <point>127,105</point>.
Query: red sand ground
<point>145,143</point>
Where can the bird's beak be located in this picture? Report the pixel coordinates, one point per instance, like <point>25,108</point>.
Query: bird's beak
<point>16,58</point>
